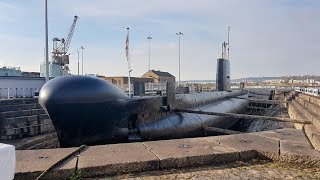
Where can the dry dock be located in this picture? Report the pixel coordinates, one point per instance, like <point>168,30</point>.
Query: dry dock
<point>276,154</point>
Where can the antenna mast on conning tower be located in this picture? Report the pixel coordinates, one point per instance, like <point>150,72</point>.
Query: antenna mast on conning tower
<point>225,51</point>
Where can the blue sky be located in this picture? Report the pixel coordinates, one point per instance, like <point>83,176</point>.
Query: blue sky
<point>268,37</point>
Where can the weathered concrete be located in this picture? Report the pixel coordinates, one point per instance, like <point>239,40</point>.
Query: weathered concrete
<point>286,145</point>
<point>30,163</point>
<point>25,124</point>
<point>191,152</point>
<point>249,141</point>
<point>313,135</point>
<point>115,159</point>
<point>250,145</point>
<point>285,134</point>
<point>307,107</point>
<point>249,170</point>
<point>48,140</point>
<point>294,112</point>
<point>299,153</point>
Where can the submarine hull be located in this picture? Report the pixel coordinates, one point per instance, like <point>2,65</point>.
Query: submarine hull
<point>183,125</point>
<point>85,123</point>
<point>91,111</point>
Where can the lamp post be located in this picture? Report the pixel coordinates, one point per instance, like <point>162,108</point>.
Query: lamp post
<point>179,34</point>
<point>46,37</point>
<point>78,61</point>
<point>82,48</point>
<point>149,38</point>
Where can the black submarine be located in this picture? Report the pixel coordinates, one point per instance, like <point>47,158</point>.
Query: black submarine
<point>89,110</point>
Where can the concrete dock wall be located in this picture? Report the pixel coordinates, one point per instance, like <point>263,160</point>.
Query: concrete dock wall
<point>24,124</point>
<point>307,107</point>
<point>284,145</point>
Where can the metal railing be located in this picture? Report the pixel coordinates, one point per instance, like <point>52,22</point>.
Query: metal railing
<point>155,87</point>
<point>7,93</point>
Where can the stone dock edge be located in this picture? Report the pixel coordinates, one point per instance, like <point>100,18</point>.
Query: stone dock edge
<point>283,145</point>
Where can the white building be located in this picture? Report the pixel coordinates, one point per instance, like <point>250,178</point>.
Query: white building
<point>10,71</point>
<point>274,81</point>
<point>55,70</point>
<point>311,81</point>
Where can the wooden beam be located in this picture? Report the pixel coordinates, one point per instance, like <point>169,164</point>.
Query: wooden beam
<point>271,109</point>
<point>267,101</point>
<point>220,130</point>
<point>246,116</point>
<point>262,100</point>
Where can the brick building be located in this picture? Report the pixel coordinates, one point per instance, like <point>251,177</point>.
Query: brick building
<point>121,80</point>
<point>159,76</point>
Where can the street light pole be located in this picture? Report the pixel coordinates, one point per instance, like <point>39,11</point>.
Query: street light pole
<point>78,60</point>
<point>179,34</point>
<point>149,38</point>
<point>82,48</point>
<point>46,36</point>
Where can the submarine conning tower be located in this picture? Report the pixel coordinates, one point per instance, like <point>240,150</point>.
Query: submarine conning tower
<point>223,80</point>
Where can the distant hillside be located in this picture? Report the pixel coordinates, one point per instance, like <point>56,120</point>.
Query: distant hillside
<point>317,78</point>
<point>233,80</point>
<point>259,79</point>
<point>255,79</point>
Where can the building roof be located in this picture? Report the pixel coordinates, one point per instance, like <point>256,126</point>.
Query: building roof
<point>162,74</point>
<point>108,77</point>
<point>36,73</point>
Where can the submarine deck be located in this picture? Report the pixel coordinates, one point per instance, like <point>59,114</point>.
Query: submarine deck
<point>282,145</point>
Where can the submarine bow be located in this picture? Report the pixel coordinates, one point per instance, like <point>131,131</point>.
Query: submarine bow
<point>83,109</point>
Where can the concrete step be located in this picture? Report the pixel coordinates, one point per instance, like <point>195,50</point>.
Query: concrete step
<point>294,112</point>
<point>315,118</point>
<point>310,105</point>
<point>25,126</point>
<point>35,142</point>
<point>313,135</point>
<point>304,96</point>
<point>17,122</point>
<point>43,116</point>
<point>29,130</point>
<point>18,107</point>
<point>17,101</point>
<point>22,120</point>
<point>51,143</point>
<point>313,99</point>
<point>29,112</point>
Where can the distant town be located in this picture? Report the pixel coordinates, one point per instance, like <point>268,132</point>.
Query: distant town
<point>151,82</point>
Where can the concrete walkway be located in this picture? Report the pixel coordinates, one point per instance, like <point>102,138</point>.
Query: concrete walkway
<point>284,145</point>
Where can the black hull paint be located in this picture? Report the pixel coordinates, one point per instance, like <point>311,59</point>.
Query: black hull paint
<point>86,123</point>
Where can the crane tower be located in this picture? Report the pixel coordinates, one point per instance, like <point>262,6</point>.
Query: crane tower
<point>61,46</point>
<point>60,57</point>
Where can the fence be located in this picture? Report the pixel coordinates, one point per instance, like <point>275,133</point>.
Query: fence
<point>7,93</point>
<point>150,87</point>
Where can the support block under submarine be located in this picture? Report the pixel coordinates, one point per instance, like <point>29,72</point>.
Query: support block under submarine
<point>91,111</point>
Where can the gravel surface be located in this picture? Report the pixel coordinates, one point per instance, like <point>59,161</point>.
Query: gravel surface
<point>255,169</point>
